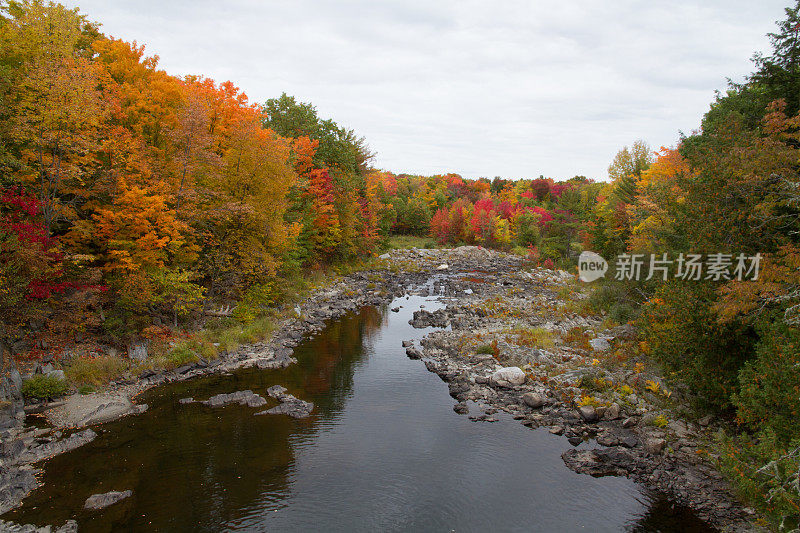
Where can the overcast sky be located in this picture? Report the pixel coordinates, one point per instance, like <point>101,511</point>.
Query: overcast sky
<point>482,88</point>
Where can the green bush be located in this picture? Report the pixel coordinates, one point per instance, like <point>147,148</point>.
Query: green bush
<point>254,302</point>
<point>44,387</point>
<point>615,298</point>
<point>769,393</point>
<point>182,354</point>
<point>689,341</point>
<point>764,472</point>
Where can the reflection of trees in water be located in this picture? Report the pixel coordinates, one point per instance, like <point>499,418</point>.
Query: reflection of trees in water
<point>662,515</point>
<point>195,468</point>
<point>328,361</point>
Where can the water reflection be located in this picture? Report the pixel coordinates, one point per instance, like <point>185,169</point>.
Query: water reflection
<point>383,450</point>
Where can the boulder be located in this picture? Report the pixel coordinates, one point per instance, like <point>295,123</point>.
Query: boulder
<point>293,407</point>
<point>533,399</point>
<point>101,501</point>
<point>427,319</point>
<point>461,408</point>
<point>654,445</point>
<point>600,344</point>
<point>55,447</point>
<point>138,351</point>
<point>413,353</point>
<point>290,405</point>
<point>600,462</point>
<point>58,374</point>
<point>612,412</point>
<point>588,413</point>
<point>242,397</point>
<point>509,376</point>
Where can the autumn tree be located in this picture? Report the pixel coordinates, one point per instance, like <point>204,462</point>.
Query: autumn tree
<point>55,107</point>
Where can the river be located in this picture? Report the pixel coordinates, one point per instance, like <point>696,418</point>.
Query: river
<point>382,451</point>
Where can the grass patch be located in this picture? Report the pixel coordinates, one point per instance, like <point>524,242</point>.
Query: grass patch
<point>533,337</point>
<point>228,337</point>
<point>96,371</point>
<point>577,338</point>
<point>660,421</point>
<point>595,383</point>
<point>485,349</point>
<point>399,242</point>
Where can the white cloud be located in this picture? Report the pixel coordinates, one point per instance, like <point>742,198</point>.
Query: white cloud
<point>515,89</point>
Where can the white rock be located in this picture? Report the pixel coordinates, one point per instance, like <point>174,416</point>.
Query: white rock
<point>383,256</point>
<point>508,376</point>
<point>600,344</point>
<point>443,266</point>
<point>58,374</point>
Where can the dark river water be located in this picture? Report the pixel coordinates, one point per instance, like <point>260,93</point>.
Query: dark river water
<point>382,451</point>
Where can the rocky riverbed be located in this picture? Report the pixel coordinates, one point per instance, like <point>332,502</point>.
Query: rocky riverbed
<point>513,339</point>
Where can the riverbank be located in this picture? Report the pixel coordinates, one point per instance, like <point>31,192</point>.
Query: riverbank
<point>500,314</point>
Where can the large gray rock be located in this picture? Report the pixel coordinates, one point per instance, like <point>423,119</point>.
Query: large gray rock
<point>612,412</point>
<point>242,397</point>
<point>426,319</point>
<point>58,374</point>
<point>533,399</point>
<point>290,405</point>
<point>588,413</point>
<point>138,350</point>
<point>49,449</point>
<point>70,526</point>
<point>295,408</point>
<point>101,501</point>
<point>413,353</point>
<point>600,462</point>
<point>106,411</point>
<point>509,376</point>
<point>11,403</point>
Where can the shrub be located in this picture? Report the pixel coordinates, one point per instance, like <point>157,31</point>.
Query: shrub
<point>485,349</point>
<point>254,302</point>
<point>769,384</point>
<point>765,473</point>
<point>616,299</point>
<point>44,387</point>
<point>686,337</point>
<point>182,354</point>
<point>660,421</point>
<point>577,337</point>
